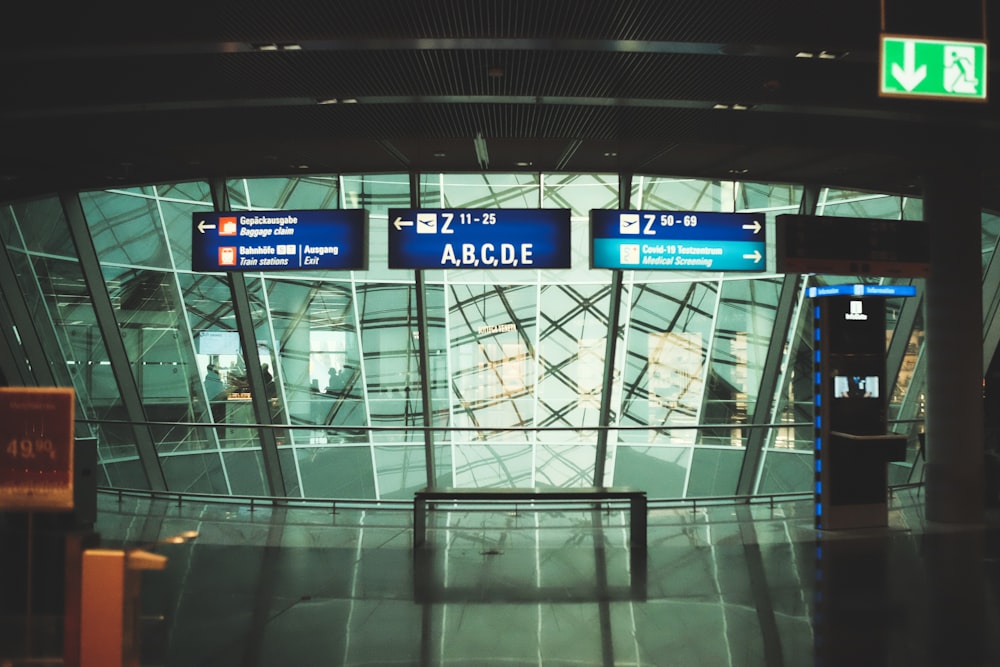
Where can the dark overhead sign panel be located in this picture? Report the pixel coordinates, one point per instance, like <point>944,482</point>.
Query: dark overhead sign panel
<point>677,241</point>
<point>479,238</point>
<point>279,240</point>
<point>851,246</point>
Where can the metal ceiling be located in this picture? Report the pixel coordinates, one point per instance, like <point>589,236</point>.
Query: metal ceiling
<point>115,94</point>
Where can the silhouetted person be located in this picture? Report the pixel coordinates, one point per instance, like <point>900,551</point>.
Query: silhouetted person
<point>335,383</point>
<point>269,389</point>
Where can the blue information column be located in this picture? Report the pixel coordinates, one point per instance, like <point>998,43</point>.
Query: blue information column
<point>279,240</point>
<point>852,448</point>
<point>677,241</point>
<point>479,238</point>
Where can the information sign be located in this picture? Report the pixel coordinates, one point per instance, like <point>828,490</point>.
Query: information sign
<point>279,240</point>
<point>932,67</point>
<point>36,448</point>
<point>479,238</point>
<point>861,290</point>
<point>678,241</point>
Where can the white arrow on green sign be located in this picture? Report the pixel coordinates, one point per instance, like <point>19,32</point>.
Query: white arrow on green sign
<point>932,67</point>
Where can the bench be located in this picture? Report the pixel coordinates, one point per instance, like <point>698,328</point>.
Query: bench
<point>596,494</point>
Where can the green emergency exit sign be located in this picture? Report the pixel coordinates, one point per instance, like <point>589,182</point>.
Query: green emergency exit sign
<point>932,67</point>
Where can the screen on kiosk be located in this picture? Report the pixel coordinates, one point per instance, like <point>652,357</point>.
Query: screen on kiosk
<point>855,386</point>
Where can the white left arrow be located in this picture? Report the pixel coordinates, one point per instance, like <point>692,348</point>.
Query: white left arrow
<point>755,226</point>
<point>755,256</point>
<point>400,223</point>
<point>202,226</point>
<point>909,75</point>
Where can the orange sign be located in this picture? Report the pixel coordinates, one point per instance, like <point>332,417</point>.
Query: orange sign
<point>227,226</point>
<point>36,448</point>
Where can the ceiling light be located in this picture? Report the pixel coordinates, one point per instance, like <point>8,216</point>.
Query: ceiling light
<point>349,100</point>
<point>440,154</point>
<point>329,100</point>
<point>611,154</point>
<point>523,164</point>
<point>270,46</point>
<point>822,55</point>
<point>732,107</point>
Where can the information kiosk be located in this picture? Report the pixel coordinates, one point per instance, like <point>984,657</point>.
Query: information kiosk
<point>852,448</point>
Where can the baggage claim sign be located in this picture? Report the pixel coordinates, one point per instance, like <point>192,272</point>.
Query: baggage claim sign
<point>279,240</point>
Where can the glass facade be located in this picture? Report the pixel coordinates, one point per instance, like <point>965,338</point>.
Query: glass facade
<point>376,382</point>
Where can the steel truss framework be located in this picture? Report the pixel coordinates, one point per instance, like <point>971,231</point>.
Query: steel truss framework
<point>684,384</point>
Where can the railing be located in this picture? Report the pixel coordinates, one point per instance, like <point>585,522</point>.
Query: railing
<point>253,502</point>
<point>333,504</point>
<point>301,435</point>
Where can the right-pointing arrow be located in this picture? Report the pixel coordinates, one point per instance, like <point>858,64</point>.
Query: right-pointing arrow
<point>755,256</point>
<point>909,75</point>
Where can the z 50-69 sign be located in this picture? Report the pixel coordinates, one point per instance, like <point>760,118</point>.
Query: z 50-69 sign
<point>680,241</point>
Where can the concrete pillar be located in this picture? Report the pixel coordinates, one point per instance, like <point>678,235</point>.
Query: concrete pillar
<point>954,342</point>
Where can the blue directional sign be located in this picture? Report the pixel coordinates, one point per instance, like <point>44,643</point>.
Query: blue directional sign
<point>279,240</point>
<point>479,238</point>
<point>678,241</point>
<point>862,290</point>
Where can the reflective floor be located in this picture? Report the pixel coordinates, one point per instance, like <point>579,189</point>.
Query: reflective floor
<point>724,585</point>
